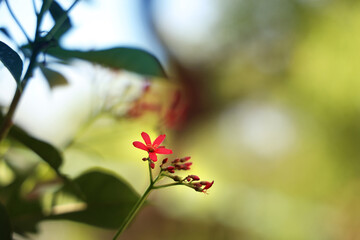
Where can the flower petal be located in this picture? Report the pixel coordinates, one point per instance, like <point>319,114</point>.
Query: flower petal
<point>152,156</point>
<point>140,145</point>
<point>163,151</point>
<point>146,138</point>
<point>159,140</point>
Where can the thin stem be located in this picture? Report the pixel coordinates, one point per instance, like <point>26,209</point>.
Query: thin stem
<point>7,123</point>
<point>138,205</point>
<point>168,185</point>
<point>133,212</point>
<point>34,6</point>
<point>150,173</point>
<point>17,21</point>
<point>45,6</point>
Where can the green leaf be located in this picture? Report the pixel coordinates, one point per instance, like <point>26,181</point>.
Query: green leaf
<point>53,77</point>
<point>108,199</point>
<point>24,213</point>
<point>43,149</point>
<point>11,61</point>
<point>130,59</point>
<point>5,225</point>
<point>57,12</point>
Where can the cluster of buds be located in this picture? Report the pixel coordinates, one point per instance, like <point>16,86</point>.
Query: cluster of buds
<point>192,181</point>
<point>154,148</point>
<point>177,164</point>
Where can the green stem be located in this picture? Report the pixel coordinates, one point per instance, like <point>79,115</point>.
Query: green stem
<point>7,123</point>
<point>133,212</point>
<point>17,21</point>
<point>150,173</point>
<point>138,204</point>
<point>168,185</point>
<point>34,6</point>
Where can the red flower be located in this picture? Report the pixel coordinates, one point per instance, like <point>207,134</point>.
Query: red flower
<point>152,148</point>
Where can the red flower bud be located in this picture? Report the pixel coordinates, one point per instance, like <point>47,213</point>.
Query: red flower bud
<point>152,165</point>
<point>170,169</point>
<point>185,159</point>
<point>175,160</point>
<point>208,185</point>
<point>194,177</point>
<point>164,160</point>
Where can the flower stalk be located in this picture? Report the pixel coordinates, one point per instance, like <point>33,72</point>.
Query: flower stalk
<point>134,211</point>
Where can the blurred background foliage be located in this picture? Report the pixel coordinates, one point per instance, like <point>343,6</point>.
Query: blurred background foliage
<point>269,109</point>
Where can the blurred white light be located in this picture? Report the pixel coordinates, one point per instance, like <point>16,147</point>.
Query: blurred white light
<point>187,24</point>
<point>261,128</point>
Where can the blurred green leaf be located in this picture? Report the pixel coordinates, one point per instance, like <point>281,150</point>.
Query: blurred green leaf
<point>57,12</point>
<point>5,225</point>
<point>12,61</point>
<point>43,149</point>
<point>53,77</point>
<point>130,59</point>
<point>108,200</point>
<point>24,213</point>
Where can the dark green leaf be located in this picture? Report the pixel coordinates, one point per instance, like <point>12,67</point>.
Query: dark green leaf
<point>24,213</point>
<point>5,225</point>
<point>43,149</point>
<point>53,77</point>
<point>108,200</point>
<point>12,61</point>
<point>130,59</point>
<point>57,12</point>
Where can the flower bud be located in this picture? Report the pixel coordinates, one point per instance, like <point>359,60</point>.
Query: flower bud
<point>177,179</point>
<point>152,165</point>
<point>208,185</point>
<point>185,159</point>
<point>188,164</point>
<point>194,177</point>
<point>170,169</point>
<point>164,160</point>
<point>175,160</point>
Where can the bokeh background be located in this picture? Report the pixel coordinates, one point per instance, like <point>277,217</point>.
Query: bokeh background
<point>269,109</point>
